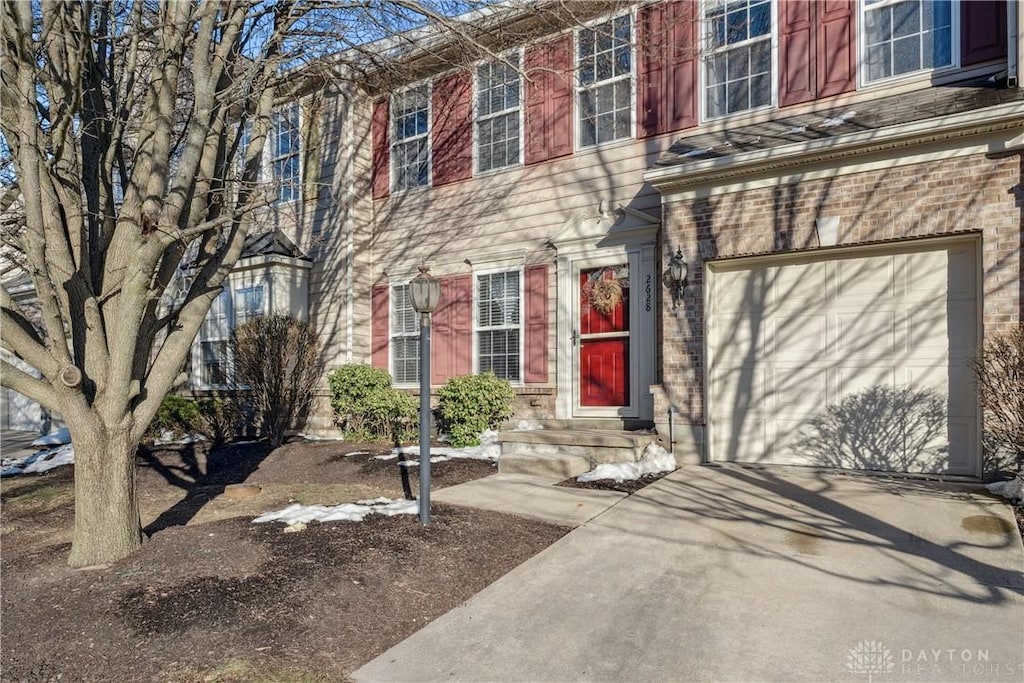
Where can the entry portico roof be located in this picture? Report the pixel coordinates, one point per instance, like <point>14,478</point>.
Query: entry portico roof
<point>885,122</point>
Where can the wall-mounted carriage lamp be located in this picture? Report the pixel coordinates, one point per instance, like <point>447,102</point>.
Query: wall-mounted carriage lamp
<point>677,272</point>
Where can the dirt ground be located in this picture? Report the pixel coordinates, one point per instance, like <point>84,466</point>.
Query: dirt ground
<point>213,597</point>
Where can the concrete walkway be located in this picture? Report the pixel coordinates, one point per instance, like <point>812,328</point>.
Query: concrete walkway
<point>532,496</point>
<point>738,574</point>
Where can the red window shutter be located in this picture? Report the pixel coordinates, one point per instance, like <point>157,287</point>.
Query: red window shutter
<point>796,52</point>
<point>836,47</point>
<point>535,291</point>
<point>381,149</point>
<point>452,129</point>
<point>462,325</point>
<point>379,333</point>
<point>451,336</point>
<point>982,31</point>
<point>441,335</point>
<point>667,69</point>
<point>549,100</point>
<point>682,74</point>
<point>651,96</point>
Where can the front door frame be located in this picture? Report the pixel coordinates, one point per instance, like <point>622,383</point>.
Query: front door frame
<point>642,337</point>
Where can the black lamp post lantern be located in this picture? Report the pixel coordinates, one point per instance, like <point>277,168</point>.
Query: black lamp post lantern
<point>425,292</point>
<point>677,272</point>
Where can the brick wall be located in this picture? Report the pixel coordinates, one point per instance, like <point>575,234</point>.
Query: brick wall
<point>969,194</point>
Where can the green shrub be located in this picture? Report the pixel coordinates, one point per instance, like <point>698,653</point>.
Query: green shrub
<point>219,419</point>
<point>368,408</point>
<point>469,404</point>
<point>177,415</point>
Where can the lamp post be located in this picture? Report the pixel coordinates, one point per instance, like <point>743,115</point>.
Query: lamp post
<point>425,292</point>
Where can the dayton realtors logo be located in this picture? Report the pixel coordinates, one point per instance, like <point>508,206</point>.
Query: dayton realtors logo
<point>870,658</point>
<point>873,658</point>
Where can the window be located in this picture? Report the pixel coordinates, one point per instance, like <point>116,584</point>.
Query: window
<point>903,37</point>
<point>410,149</point>
<point>497,114</point>
<point>605,89</point>
<point>497,324</point>
<point>405,337</point>
<point>248,304</point>
<point>738,59</point>
<point>214,361</point>
<point>285,153</point>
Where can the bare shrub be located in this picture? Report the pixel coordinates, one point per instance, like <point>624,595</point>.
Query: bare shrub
<point>277,363</point>
<point>999,372</point>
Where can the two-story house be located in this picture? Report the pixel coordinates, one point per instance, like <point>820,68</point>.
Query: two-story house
<point>840,183</point>
<point>840,179</point>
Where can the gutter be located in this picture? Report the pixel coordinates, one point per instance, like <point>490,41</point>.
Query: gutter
<point>990,119</point>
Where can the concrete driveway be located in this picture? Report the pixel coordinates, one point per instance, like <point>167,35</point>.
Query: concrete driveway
<point>743,575</point>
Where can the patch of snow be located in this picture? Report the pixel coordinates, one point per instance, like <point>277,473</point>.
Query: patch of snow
<point>698,152</point>
<point>1011,490</point>
<point>527,426</point>
<point>296,513</point>
<point>654,460</point>
<point>317,437</point>
<point>797,129</point>
<point>433,458</point>
<point>57,438</point>
<point>489,449</point>
<point>349,455</point>
<point>167,439</point>
<point>838,120</point>
<point>40,461</point>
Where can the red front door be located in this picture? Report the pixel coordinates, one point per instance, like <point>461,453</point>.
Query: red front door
<point>604,336</point>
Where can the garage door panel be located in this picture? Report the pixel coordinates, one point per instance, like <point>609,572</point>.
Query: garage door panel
<point>741,386</point>
<point>870,334</point>
<point>797,337</point>
<point>797,390</point>
<point>742,289</point>
<point>741,440</point>
<point>794,285</point>
<point>869,372</point>
<point>870,278</point>
<point>739,338</point>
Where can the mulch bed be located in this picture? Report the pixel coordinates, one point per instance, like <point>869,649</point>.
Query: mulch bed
<point>229,600</point>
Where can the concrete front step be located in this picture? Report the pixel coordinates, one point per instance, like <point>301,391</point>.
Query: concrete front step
<point>560,465</point>
<point>612,424</point>
<point>595,445</point>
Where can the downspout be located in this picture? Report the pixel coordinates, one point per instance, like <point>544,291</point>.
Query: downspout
<point>1014,18</point>
<point>350,231</point>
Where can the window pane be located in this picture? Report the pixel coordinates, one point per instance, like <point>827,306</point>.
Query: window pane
<point>906,19</point>
<point>498,316</point>
<point>906,55</point>
<point>906,37</point>
<point>605,78</point>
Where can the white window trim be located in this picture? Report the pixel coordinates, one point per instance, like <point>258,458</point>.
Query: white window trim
<point>270,158</point>
<point>198,367</point>
<point>520,52</point>
<point>522,319</point>
<point>578,89</point>
<point>393,138</point>
<point>392,334</point>
<point>236,297</point>
<point>702,75</point>
<point>862,48</point>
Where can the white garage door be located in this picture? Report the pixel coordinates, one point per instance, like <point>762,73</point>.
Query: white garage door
<point>858,360</point>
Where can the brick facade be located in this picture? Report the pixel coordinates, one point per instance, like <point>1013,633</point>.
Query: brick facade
<point>972,194</point>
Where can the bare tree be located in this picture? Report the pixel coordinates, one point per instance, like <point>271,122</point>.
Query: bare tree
<point>133,133</point>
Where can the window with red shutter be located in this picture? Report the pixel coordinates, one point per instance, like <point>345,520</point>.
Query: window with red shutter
<point>549,94</point>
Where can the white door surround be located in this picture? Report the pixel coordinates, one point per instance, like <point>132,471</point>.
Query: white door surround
<point>604,238</point>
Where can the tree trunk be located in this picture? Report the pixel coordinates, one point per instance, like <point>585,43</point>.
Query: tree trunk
<point>107,524</point>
